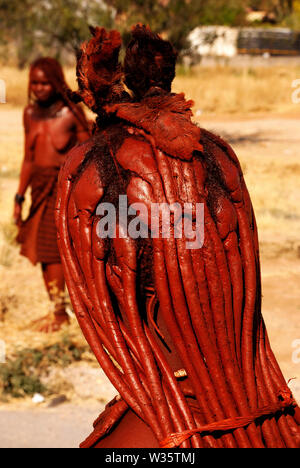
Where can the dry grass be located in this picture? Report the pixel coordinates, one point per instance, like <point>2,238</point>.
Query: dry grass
<point>215,91</point>
<point>226,90</point>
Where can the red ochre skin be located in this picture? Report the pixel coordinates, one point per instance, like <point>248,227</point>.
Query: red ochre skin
<point>178,332</point>
<point>51,130</point>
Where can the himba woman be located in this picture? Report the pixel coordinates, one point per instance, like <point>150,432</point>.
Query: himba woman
<point>178,331</point>
<point>53,125</point>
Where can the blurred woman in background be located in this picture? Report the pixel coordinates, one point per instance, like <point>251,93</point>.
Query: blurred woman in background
<point>53,125</point>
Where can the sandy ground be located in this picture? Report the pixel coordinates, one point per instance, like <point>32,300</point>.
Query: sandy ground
<point>63,427</point>
<point>269,152</point>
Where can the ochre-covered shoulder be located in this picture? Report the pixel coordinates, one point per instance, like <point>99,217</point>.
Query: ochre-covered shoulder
<point>219,154</point>
<point>28,111</point>
<point>136,155</point>
<point>222,144</point>
<point>27,115</point>
<point>74,158</point>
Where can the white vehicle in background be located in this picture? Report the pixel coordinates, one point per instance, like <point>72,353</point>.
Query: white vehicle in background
<point>221,42</point>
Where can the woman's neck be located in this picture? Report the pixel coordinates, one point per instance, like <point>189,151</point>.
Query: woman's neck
<point>48,109</point>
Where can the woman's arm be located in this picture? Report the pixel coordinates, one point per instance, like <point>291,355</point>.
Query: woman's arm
<point>26,169</point>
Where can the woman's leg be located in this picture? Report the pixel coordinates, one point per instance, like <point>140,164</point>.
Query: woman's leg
<point>55,285</point>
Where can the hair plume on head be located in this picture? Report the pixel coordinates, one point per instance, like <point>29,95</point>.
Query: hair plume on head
<point>98,69</point>
<point>150,61</point>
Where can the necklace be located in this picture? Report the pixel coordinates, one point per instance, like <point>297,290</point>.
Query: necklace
<point>48,112</point>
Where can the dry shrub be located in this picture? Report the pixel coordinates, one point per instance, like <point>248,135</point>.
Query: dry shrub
<point>23,373</point>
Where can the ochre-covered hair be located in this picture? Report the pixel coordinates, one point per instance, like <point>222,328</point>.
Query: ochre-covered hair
<point>150,61</point>
<point>98,70</point>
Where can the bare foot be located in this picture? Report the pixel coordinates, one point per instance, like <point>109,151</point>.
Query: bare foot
<point>51,323</point>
